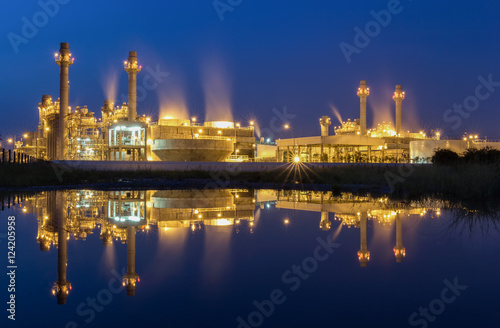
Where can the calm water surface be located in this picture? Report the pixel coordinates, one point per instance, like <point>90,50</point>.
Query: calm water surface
<point>245,258</point>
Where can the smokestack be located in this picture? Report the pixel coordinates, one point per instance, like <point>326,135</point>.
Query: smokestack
<point>64,60</point>
<point>132,69</point>
<point>325,123</point>
<point>398,97</point>
<point>363,93</point>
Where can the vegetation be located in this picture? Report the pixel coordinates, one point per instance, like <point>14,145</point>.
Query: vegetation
<point>481,156</point>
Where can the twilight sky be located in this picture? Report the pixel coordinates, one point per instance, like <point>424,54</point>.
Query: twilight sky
<point>256,56</point>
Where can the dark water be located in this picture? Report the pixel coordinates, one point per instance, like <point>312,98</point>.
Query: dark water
<point>244,258</point>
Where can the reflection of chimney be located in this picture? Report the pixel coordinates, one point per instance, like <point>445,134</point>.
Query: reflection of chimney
<point>325,223</point>
<point>132,69</point>
<point>398,97</point>
<point>363,93</point>
<point>64,60</point>
<point>363,253</point>
<point>399,250</point>
<point>130,278</point>
<point>62,286</point>
<point>325,123</point>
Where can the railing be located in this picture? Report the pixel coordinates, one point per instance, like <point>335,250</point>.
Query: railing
<point>238,158</point>
<point>9,156</point>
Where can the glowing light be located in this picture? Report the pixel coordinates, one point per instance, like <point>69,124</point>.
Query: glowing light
<point>9,140</point>
<point>296,159</point>
<point>26,135</point>
<point>252,123</point>
<point>193,119</point>
<point>286,221</point>
<point>287,126</point>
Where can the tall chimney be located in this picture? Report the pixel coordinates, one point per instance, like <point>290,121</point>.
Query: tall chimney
<point>363,93</point>
<point>398,97</point>
<point>64,60</point>
<point>325,123</point>
<point>132,69</point>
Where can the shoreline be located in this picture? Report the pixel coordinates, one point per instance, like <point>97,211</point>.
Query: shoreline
<point>454,182</point>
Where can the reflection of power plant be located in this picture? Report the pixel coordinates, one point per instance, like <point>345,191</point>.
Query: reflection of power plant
<point>121,214</point>
<point>352,211</point>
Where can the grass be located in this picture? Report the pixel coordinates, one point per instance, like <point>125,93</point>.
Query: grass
<point>461,182</point>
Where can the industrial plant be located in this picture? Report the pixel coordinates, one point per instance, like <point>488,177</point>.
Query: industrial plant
<point>121,134</point>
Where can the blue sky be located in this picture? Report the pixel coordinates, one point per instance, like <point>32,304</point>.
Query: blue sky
<point>269,54</point>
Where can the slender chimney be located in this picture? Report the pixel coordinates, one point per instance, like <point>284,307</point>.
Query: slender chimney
<point>64,60</point>
<point>363,93</point>
<point>325,123</point>
<point>132,69</point>
<point>398,97</point>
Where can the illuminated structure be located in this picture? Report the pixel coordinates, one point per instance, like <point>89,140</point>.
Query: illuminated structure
<point>363,93</point>
<point>64,60</point>
<point>132,68</point>
<point>398,97</point>
<point>122,135</point>
<point>352,142</point>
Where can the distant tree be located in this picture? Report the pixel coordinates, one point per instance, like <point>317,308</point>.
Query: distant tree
<point>445,157</point>
<point>486,155</point>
